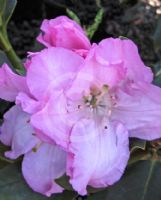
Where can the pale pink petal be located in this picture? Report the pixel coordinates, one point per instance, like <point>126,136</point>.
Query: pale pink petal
<point>139,109</point>
<point>42,167</point>
<point>98,154</point>
<point>63,32</point>
<point>115,51</point>
<point>103,73</point>
<point>53,67</point>
<point>11,84</point>
<point>28,104</point>
<point>94,75</point>
<point>51,120</point>
<point>17,133</point>
<point>43,137</point>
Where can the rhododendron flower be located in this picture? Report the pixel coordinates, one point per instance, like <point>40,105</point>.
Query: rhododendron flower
<point>63,32</point>
<point>91,115</point>
<point>82,112</point>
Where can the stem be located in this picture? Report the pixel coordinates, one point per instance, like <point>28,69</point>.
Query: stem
<point>8,49</point>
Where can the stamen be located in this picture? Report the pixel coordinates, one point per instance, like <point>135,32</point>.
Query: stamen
<point>34,149</point>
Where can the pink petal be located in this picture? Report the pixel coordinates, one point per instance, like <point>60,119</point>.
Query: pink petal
<point>139,109</point>
<point>53,118</point>
<point>43,137</point>
<point>98,155</point>
<point>11,84</point>
<point>94,75</point>
<point>103,73</point>
<point>114,51</point>
<point>17,133</point>
<point>42,167</point>
<point>28,104</point>
<point>54,67</point>
<point>63,32</point>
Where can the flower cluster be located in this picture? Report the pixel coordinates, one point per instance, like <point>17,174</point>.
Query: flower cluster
<point>76,108</point>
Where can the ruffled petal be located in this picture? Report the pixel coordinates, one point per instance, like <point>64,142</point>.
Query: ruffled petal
<point>99,72</point>
<point>28,104</point>
<point>139,109</point>
<point>63,32</point>
<point>17,132</point>
<point>53,67</point>
<point>114,51</point>
<point>11,84</point>
<point>53,118</point>
<point>42,167</point>
<point>98,154</point>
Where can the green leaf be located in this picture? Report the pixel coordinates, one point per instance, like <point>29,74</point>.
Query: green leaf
<point>138,155</point>
<point>136,144</point>
<point>6,10</point>
<point>13,187</point>
<point>97,21</point>
<point>99,196</point>
<point>141,181</point>
<point>64,182</point>
<point>4,161</point>
<point>73,16</point>
<point>2,6</point>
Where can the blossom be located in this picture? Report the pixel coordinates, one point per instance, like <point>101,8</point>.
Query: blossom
<point>63,32</point>
<point>78,113</point>
<point>91,112</point>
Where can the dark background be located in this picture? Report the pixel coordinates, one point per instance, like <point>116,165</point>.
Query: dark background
<point>130,18</point>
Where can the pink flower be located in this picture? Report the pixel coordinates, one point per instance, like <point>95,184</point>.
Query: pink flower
<point>91,110</point>
<point>81,111</point>
<point>63,32</point>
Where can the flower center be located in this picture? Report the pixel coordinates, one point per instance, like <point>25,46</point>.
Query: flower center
<point>96,97</point>
<point>99,101</point>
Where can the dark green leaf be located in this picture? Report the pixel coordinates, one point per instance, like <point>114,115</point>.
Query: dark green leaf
<point>13,187</point>
<point>6,10</point>
<point>142,181</point>
<point>139,155</point>
<point>98,196</point>
<point>64,182</point>
<point>4,161</point>
<point>136,144</point>
<point>2,6</point>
